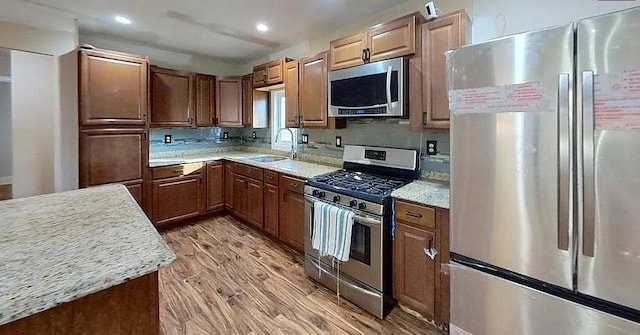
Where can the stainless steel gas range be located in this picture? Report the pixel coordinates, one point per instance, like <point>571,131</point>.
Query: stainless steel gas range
<point>364,186</point>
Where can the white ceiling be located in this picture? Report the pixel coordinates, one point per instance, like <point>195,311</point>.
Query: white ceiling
<point>224,29</point>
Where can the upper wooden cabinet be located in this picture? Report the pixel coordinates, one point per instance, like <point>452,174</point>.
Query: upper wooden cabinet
<point>291,84</point>
<point>172,98</point>
<point>229,101</point>
<point>255,105</point>
<point>392,39</point>
<point>247,100</point>
<point>113,88</point>
<point>442,34</point>
<point>269,74</point>
<point>205,100</point>
<point>112,156</point>
<point>313,91</point>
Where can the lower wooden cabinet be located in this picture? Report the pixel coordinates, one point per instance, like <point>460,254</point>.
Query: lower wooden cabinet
<point>291,223</point>
<point>418,281</point>
<point>239,200</point>
<point>248,200</point>
<point>215,186</point>
<point>414,271</point>
<point>228,185</point>
<point>137,190</point>
<point>177,198</point>
<point>271,209</point>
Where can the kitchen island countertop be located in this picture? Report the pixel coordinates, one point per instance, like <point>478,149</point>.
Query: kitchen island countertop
<point>424,192</point>
<point>57,248</point>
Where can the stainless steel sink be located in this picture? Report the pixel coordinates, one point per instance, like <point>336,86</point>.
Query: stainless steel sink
<point>267,159</point>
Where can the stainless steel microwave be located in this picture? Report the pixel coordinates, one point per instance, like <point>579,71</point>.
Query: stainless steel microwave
<point>374,89</point>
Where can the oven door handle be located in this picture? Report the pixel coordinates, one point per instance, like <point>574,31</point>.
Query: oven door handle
<point>363,220</point>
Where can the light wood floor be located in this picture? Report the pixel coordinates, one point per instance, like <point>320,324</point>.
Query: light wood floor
<point>5,192</point>
<point>230,279</point>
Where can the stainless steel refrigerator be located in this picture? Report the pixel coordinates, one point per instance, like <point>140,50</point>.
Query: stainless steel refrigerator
<point>545,181</point>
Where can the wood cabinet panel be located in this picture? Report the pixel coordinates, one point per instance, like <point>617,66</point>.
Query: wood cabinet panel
<point>291,184</point>
<point>205,100</point>
<point>275,72</point>
<point>247,100</point>
<point>248,171</point>
<point>313,91</point>
<point>239,196</point>
<point>347,51</point>
<point>177,199</point>
<point>291,91</point>
<point>112,156</point>
<point>443,306</point>
<point>271,177</point>
<point>260,76</point>
<point>415,214</point>
<point>215,186</point>
<point>414,271</point>
<point>271,209</point>
<point>113,88</point>
<point>228,185</point>
<point>393,39</point>
<point>175,170</point>
<point>137,191</point>
<point>442,34</point>
<point>172,98</point>
<point>291,227</point>
<point>229,101</point>
<point>255,203</point>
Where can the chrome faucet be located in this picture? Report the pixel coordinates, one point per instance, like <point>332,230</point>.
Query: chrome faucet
<point>292,154</point>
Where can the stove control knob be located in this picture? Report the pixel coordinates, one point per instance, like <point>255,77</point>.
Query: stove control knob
<point>353,203</point>
<point>362,206</point>
<point>321,194</point>
<point>315,193</point>
<point>336,198</point>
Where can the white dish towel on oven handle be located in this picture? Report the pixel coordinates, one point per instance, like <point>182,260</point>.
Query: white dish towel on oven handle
<point>332,230</point>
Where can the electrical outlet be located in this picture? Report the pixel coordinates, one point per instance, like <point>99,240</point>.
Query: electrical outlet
<point>225,135</point>
<point>339,141</point>
<point>167,139</point>
<point>432,148</point>
<point>305,138</point>
<point>253,135</point>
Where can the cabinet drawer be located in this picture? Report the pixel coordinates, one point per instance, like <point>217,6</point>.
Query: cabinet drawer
<point>176,170</point>
<point>419,215</point>
<point>292,184</point>
<point>270,177</point>
<point>248,171</point>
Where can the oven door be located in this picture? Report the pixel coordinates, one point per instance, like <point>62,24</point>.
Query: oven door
<point>365,258</point>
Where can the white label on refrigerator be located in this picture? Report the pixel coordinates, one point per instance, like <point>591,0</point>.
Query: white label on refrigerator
<point>455,330</point>
<point>616,99</point>
<point>525,97</point>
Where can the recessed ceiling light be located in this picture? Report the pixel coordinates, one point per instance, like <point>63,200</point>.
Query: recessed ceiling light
<point>262,27</point>
<point>122,19</point>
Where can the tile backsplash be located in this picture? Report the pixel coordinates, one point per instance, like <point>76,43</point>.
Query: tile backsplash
<point>372,132</point>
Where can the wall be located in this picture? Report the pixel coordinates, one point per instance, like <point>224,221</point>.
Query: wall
<point>5,133</point>
<point>165,58</point>
<point>32,120</point>
<point>19,37</point>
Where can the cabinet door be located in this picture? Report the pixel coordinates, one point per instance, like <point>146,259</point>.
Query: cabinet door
<point>271,209</point>
<point>229,101</point>
<point>172,95</point>
<point>291,81</point>
<point>291,227</point>
<point>255,203</point>
<point>393,39</point>
<point>113,89</point>
<point>205,100</point>
<point>112,156</point>
<point>239,196</point>
<point>442,34</point>
<point>275,72</point>
<point>215,186</point>
<point>313,91</point>
<point>247,100</point>
<point>347,52</point>
<point>228,185</point>
<point>176,199</point>
<point>414,271</point>
<point>260,76</point>
<point>137,191</point>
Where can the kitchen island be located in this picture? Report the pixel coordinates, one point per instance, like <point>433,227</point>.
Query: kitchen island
<point>79,262</point>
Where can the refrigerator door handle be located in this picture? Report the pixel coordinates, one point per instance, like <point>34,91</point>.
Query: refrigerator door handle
<point>564,106</point>
<point>588,192</point>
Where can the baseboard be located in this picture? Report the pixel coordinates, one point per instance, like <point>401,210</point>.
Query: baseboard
<point>5,180</point>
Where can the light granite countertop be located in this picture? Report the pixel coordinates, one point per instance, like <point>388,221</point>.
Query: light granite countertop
<point>59,247</point>
<point>424,192</point>
<point>290,167</point>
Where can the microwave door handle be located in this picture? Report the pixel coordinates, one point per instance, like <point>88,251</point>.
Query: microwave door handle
<point>389,71</point>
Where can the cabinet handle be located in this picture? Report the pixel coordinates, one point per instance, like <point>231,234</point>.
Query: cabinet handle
<point>144,117</point>
<point>190,120</point>
<point>144,135</point>
<point>294,185</point>
<point>364,55</point>
<point>284,197</point>
<point>368,54</point>
<point>414,215</point>
<point>177,171</point>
